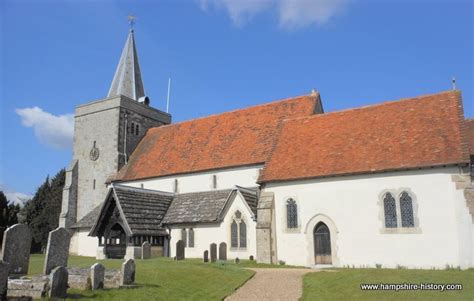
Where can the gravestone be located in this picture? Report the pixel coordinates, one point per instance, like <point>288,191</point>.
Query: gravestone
<point>180,250</point>
<point>146,250</point>
<point>206,256</point>
<point>58,283</point>
<point>213,249</point>
<point>236,260</point>
<point>16,248</point>
<point>251,258</point>
<point>3,280</point>
<point>222,251</point>
<point>128,272</point>
<point>97,276</point>
<point>57,250</point>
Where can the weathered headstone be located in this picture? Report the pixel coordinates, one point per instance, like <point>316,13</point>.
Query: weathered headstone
<point>180,250</point>
<point>128,272</point>
<point>213,249</point>
<point>236,260</point>
<point>222,251</point>
<point>97,276</point>
<point>146,250</point>
<point>57,250</point>
<point>3,280</point>
<point>58,283</point>
<point>205,256</point>
<point>16,248</point>
<point>251,258</point>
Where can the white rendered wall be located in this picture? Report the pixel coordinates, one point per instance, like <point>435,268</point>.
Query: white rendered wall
<point>82,244</point>
<point>202,181</point>
<point>352,205</point>
<point>205,235</point>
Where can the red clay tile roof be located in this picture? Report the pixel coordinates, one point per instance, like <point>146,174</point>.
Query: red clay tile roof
<point>412,133</point>
<point>470,135</point>
<point>242,137</point>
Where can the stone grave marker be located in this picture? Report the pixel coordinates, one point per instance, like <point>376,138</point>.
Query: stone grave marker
<point>97,276</point>
<point>236,260</point>
<point>205,257</point>
<point>128,272</point>
<point>58,283</point>
<point>180,250</point>
<point>16,248</point>
<point>213,249</point>
<point>146,250</point>
<point>3,280</point>
<point>222,251</point>
<point>57,250</point>
<point>251,258</point>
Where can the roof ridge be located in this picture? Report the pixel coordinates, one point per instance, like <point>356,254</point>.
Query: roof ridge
<point>206,191</point>
<point>145,190</point>
<point>235,110</point>
<point>383,103</point>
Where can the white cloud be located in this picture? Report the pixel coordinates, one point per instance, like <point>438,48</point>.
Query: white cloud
<point>52,130</point>
<point>291,13</point>
<point>17,197</point>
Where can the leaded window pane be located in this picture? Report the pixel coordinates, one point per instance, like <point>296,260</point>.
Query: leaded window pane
<point>191,238</point>
<point>406,210</point>
<point>184,237</point>
<point>243,235</point>
<point>390,211</point>
<point>233,235</point>
<point>291,214</point>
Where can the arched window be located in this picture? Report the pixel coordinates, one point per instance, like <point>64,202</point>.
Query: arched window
<point>390,211</point>
<point>406,210</point>
<point>291,214</point>
<point>137,129</point>
<point>191,238</point>
<point>234,241</point>
<point>184,237</point>
<point>243,235</point>
<point>132,128</point>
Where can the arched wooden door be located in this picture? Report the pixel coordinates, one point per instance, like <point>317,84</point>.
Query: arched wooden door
<point>116,244</point>
<point>322,244</point>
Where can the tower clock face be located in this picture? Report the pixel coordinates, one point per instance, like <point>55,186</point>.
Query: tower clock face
<point>94,154</point>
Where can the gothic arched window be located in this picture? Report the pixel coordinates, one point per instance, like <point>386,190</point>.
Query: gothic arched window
<point>390,211</point>
<point>243,235</point>
<point>184,237</point>
<point>234,240</point>
<point>137,129</point>
<point>191,238</point>
<point>291,214</point>
<point>406,210</point>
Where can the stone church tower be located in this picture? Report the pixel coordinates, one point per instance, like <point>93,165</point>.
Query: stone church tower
<point>105,133</point>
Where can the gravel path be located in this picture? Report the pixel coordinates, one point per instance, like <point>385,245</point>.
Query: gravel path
<point>272,284</point>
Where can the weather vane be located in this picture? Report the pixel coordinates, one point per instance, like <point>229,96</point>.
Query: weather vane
<point>131,20</point>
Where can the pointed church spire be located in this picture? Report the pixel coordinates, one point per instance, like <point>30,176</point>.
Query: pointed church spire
<point>128,78</point>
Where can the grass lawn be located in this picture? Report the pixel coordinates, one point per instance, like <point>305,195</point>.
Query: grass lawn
<point>344,284</point>
<point>162,279</point>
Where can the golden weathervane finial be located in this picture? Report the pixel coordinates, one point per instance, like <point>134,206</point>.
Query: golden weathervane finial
<point>131,20</point>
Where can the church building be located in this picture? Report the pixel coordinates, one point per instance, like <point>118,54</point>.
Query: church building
<point>388,184</point>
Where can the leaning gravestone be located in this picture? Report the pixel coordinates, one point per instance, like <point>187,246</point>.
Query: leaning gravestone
<point>222,251</point>
<point>180,250</point>
<point>58,283</point>
<point>3,280</point>
<point>97,276</point>
<point>146,250</point>
<point>16,248</point>
<point>213,249</point>
<point>206,256</point>
<point>57,250</point>
<point>128,272</point>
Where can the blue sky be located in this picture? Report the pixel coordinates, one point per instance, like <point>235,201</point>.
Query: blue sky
<point>221,55</point>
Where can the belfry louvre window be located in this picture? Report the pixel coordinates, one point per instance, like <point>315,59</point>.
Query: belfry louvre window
<point>390,211</point>
<point>406,210</point>
<point>291,214</point>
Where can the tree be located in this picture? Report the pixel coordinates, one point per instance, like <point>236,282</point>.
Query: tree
<point>8,214</point>
<point>41,213</point>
